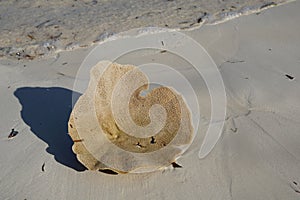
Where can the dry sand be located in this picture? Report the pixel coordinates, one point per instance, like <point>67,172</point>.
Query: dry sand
<point>257,157</point>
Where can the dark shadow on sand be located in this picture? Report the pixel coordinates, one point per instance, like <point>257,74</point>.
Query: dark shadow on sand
<point>47,111</point>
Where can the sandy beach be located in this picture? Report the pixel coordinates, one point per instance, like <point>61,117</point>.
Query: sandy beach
<point>256,157</point>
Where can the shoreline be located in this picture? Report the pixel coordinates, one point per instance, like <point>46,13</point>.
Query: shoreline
<point>51,40</point>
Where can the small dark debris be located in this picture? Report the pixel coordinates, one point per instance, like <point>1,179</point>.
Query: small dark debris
<point>183,22</point>
<point>295,187</point>
<point>246,78</point>
<point>13,133</point>
<point>289,77</point>
<point>295,182</point>
<point>64,63</point>
<point>200,19</point>
<point>136,17</point>
<point>29,57</point>
<point>108,171</point>
<point>152,140</point>
<point>8,87</point>
<point>31,37</point>
<point>80,140</point>
<point>42,24</point>
<point>43,167</point>
<point>162,43</point>
<point>24,65</point>
<point>139,145</point>
<point>175,165</point>
<point>270,49</point>
<point>163,51</point>
<point>268,5</point>
<point>59,73</point>
<point>117,127</point>
<point>166,25</point>
<point>235,61</point>
<point>234,130</point>
<point>178,8</point>
<point>55,36</point>
<point>71,125</point>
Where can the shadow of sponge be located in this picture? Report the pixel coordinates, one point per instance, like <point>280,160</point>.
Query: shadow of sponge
<point>47,111</point>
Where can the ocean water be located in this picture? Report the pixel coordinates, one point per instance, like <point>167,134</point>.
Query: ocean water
<point>39,28</point>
